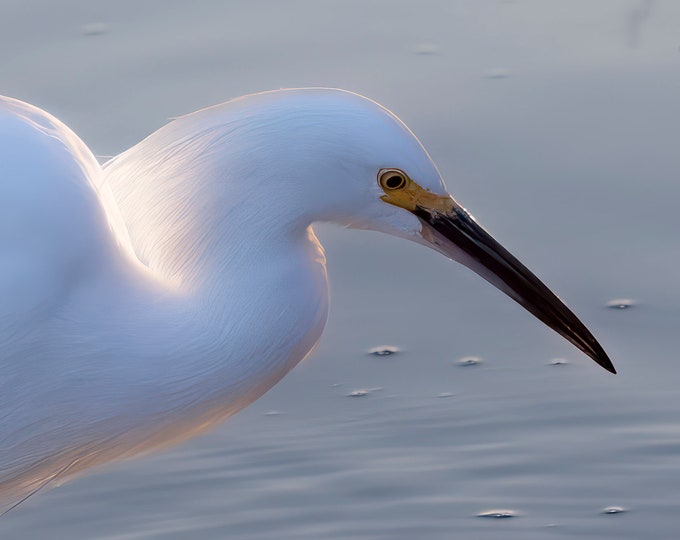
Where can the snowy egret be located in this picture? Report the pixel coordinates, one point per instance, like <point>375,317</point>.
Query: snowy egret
<point>149,299</point>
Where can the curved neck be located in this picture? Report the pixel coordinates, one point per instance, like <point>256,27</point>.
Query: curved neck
<point>232,240</point>
<point>196,203</point>
<point>219,345</point>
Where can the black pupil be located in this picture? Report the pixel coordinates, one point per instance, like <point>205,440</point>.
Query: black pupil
<point>394,182</point>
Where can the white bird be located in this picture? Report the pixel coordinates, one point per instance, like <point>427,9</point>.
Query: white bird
<point>145,301</point>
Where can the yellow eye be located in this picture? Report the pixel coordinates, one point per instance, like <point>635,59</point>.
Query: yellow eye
<point>392,179</point>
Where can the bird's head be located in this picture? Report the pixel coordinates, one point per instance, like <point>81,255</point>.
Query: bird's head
<point>336,156</point>
<point>371,172</point>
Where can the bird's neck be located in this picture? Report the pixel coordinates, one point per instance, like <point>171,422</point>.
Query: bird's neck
<point>242,277</point>
<point>197,200</point>
<point>210,350</point>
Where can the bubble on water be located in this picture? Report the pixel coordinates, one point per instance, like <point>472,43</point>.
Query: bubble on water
<point>558,362</point>
<point>383,350</point>
<point>445,394</point>
<point>426,48</point>
<point>497,73</point>
<point>614,510</point>
<point>94,29</point>
<point>362,392</point>
<point>273,413</point>
<point>469,361</point>
<point>498,514</point>
<point>621,303</point>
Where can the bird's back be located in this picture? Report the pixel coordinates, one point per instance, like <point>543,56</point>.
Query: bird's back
<point>53,222</point>
<point>55,234</point>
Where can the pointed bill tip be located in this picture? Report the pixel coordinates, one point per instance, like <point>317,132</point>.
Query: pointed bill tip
<point>601,359</point>
<point>456,234</point>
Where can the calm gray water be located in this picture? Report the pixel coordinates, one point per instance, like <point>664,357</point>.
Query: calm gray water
<point>556,125</point>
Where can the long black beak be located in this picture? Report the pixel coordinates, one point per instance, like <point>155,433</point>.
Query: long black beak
<point>457,235</point>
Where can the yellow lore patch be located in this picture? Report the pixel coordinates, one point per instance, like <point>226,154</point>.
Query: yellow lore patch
<point>408,194</point>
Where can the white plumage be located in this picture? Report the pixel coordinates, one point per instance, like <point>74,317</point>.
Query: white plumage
<point>144,301</point>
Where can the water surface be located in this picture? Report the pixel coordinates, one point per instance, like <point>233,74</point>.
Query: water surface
<point>556,125</point>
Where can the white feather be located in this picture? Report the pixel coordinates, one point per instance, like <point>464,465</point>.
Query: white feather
<point>143,303</point>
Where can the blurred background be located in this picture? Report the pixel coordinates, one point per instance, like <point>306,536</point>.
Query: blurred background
<point>555,124</point>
